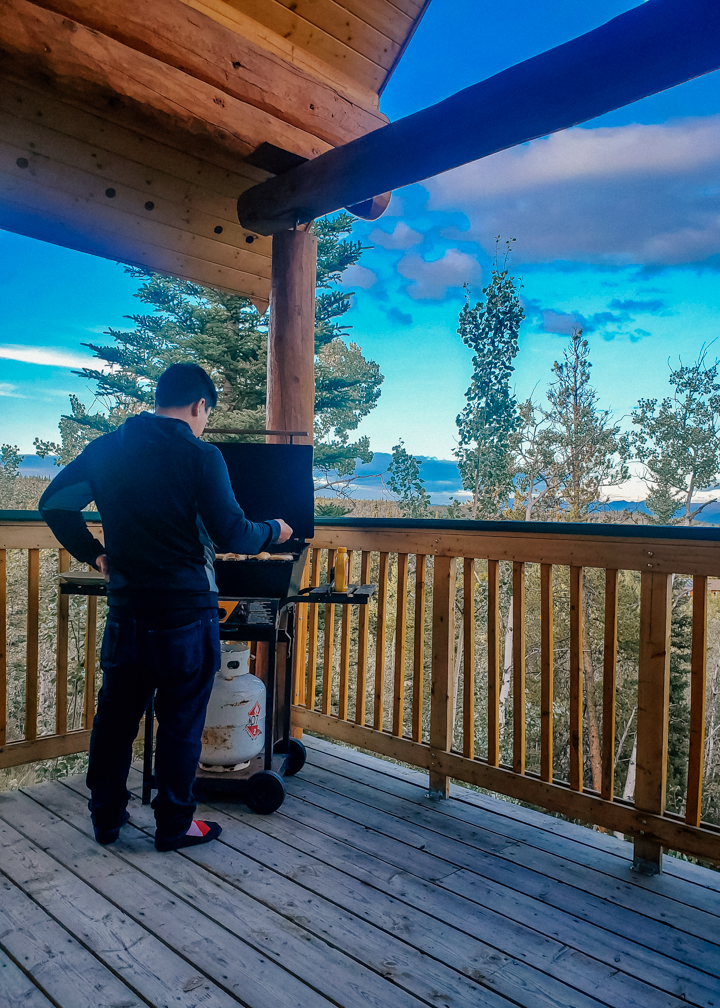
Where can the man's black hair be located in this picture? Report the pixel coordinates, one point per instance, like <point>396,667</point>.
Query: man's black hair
<point>183,384</point>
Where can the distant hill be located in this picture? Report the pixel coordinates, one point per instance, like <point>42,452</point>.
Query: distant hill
<point>442,481</point>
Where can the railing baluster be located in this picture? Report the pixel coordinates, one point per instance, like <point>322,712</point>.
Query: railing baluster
<point>698,673</point>
<point>576,680</point>
<point>345,652</point>
<point>400,644</point>
<point>469,658</point>
<point>546,672</point>
<point>380,644</point>
<point>363,630</point>
<point>90,661</point>
<point>519,667</point>
<point>61,655</point>
<point>313,633</point>
<point>32,645</point>
<point>493,649</point>
<point>3,647</point>
<point>300,642</point>
<point>328,641</point>
<point>609,685</point>
<point>653,711</point>
<point>443,646</point>
<point>419,647</point>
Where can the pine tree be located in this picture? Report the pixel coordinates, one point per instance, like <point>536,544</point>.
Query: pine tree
<point>589,453</point>
<point>535,479</point>
<point>488,422</point>
<point>678,442</point>
<point>10,459</point>
<point>405,481</point>
<point>227,336</point>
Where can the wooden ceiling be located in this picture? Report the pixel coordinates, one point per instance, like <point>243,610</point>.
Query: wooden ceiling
<point>355,42</point>
<point>125,128</point>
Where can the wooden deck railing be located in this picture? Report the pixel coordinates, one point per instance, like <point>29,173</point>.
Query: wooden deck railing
<point>401,679</point>
<point>490,655</point>
<point>48,647</point>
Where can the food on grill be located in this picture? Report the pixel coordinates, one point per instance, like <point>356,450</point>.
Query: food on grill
<point>257,556</point>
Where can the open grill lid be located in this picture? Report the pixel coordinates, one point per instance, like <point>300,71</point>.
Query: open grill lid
<point>269,481</point>
<point>274,481</point>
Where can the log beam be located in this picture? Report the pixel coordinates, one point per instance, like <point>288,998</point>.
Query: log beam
<point>648,49</point>
<point>291,340</point>
<point>95,72</point>
<point>190,41</point>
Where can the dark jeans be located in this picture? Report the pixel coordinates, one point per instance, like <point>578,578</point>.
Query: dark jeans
<point>177,653</point>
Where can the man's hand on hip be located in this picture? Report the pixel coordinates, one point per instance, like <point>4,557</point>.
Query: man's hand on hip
<point>101,562</point>
<point>285,531</point>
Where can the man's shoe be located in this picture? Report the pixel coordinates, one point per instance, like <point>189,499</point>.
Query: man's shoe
<point>199,832</point>
<point>108,836</point>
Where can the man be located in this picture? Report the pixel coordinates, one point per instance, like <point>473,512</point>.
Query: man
<point>166,505</point>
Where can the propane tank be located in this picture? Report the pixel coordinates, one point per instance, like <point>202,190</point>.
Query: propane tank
<point>235,721</point>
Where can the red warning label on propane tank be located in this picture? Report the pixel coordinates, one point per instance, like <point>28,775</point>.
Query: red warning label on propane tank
<point>252,727</point>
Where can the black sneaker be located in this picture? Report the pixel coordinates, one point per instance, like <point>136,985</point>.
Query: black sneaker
<point>108,836</point>
<point>199,832</point>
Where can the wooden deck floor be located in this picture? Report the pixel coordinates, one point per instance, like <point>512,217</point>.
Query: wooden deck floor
<point>360,892</point>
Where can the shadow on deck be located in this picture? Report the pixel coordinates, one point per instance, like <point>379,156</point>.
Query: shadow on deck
<point>360,892</point>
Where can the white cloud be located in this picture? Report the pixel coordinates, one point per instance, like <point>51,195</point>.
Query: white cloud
<point>50,356</point>
<point>614,195</point>
<point>359,276</point>
<point>403,237</point>
<point>431,280</point>
<point>8,390</point>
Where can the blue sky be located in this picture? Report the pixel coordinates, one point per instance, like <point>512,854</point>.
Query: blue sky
<point>617,228</point>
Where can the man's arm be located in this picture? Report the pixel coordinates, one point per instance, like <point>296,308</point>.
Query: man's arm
<point>223,517</point>
<point>61,505</point>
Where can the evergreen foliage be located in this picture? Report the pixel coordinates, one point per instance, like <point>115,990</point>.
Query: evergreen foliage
<point>588,452</point>
<point>678,441</point>
<point>489,419</point>
<point>227,335</point>
<point>10,459</point>
<point>404,480</point>
<point>331,509</point>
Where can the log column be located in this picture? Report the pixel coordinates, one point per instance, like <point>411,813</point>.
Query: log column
<point>291,342</point>
<point>653,714</point>
<point>291,355</point>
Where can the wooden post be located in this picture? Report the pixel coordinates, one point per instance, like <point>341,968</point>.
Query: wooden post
<point>609,684</point>
<point>493,645</point>
<point>419,648</point>
<point>61,649</point>
<point>291,374</point>
<point>3,646</point>
<point>576,679</point>
<point>547,645</point>
<point>518,649</point>
<point>698,687</point>
<point>443,644</point>
<point>32,646</point>
<point>291,341</point>
<point>653,710</point>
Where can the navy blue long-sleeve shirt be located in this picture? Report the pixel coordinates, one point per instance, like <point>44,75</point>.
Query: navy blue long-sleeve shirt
<point>166,506</point>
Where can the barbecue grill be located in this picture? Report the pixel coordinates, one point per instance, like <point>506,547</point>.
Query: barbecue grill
<point>257,599</point>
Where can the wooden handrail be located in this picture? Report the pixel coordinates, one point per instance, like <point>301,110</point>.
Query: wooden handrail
<point>467,698</point>
<point>478,730</point>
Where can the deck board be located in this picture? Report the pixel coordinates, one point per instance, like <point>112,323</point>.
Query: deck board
<point>351,762</point>
<point>554,835</point>
<point>427,828</point>
<point>359,893</point>
<point>16,989</point>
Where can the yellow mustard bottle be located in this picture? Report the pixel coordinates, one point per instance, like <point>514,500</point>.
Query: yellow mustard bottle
<point>341,569</point>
